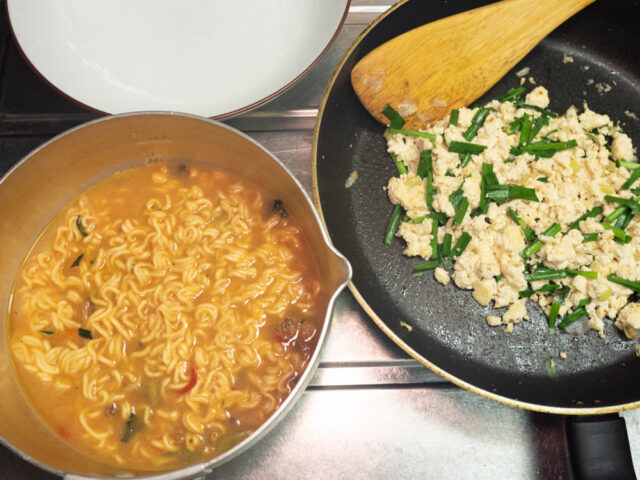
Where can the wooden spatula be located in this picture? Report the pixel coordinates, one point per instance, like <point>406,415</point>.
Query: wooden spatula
<point>453,61</point>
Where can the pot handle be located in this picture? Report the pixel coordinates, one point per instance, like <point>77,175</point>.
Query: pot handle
<point>599,447</point>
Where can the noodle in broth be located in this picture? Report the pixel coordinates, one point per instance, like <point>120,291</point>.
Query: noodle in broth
<point>164,315</point>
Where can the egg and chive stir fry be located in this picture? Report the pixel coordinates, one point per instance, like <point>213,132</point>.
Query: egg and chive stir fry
<point>514,201</point>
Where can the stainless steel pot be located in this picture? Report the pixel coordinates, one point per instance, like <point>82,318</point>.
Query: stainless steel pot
<point>48,178</point>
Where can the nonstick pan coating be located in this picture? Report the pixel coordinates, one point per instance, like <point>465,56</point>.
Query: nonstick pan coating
<point>449,332</point>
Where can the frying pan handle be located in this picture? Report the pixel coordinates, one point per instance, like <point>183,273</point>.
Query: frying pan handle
<point>599,448</point>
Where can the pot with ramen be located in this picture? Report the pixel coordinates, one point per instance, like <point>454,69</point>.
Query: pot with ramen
<point>166,287</point>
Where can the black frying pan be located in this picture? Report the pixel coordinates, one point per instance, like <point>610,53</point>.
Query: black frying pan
<point>449,332</point>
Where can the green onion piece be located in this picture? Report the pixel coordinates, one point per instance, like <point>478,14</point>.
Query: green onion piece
<point>446,263</point>
<point>504,192</point>
<point>439,217</point>
<point>635,286</point>
<point>617,232</point>
<point>461,244</point>
<point>528,232</point>
<point>394,117</point>
<point>615,213</point>
<point>514,92</point>
<point>48,332</point>
<point>582,273</point>
<point>561,296</point>
<point>489,174</point>
<point>392,226</point>
<point>461,211</point>
<point>81,226</point>
<point>538,244</point>
<point>465,159</point>
<point>419,220</point>
<point>549,287</point>
<point>525,293</point>
<point>628,165</point>
<point>572,317</point>
<point>423,165</point>
<point>515,126</point>
<point>406,218</point>
<point>550,367</point>
<point>543,148</point>
<point>425,156</point>
<point>435,248</point>
<point>635,175</point>
<point>446,245</point>
<point>462,147</point>
<point>453,118</point>
<point>525,131</point>
<point>543,179</point>
<point>594,212</point>
<point>400,166</point>
<point>545,275</point>
<point>627,202</point>
<point>625,219</point>
<point>584,302</point>
<point>77,261</point>
<point>130,428</point>
<point>84,333</point>
<point>476,122</point>
<point>423,267</point>
<point>449,174</point>
<point>413,133</point>
<point>456,197</point>
<point>540,122</point>
<point>589,237</point>
<point>546,112</point>
<point>553,314</point>
<point>498,277</point>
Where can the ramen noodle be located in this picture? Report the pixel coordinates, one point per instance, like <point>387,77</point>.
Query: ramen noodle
<point>164,315</point>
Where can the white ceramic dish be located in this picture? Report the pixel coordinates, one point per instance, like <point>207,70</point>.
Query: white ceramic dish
<point>207,57</point>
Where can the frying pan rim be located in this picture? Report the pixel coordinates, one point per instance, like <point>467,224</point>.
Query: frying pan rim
<point>369,310</point>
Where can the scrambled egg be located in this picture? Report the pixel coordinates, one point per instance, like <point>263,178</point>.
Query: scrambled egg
<point>568,184</point>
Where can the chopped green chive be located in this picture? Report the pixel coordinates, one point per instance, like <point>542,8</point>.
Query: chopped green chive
<point>462,147</point>
<point>572,317</point>
<point>540,122</point>
<point>84,333</point>
<point>476,122</point>
<point>625,219</point>
<point>446,245</point>
<point>461,244</point>
<point>392,226</point>
<point>453,118</point>
<point>543,179</point>
<point>627,202</point>
<point>394,117</point>
<point>543,149</point>
<point>504,192</point>
<point>413,133</point>
<point>589,237</point>
<point>618,233</point>
<point>525,130</point>
<point>511,94</point>
<point>562,295</point>
<point>635,286</point>
<point>48,332</point>
<point>464,160</point>
<point>546,112</point>
<point>583,273</point>
<point>461,211</point>
<point>594,212</point>
<point>550,367</point>
<point>423,267</point>
<point>628,165</point>
<point>423,166</point>
<point>545,275</point>
<point>553,314</point>
<point>419,220</point>
<point>538,244</point>
<point>77,261</point>
<point>400,166</point>
<point>456,197</point>
<point>515,126</point>
<point>130,428</point>
<point>615,214</point>
<point>425,156</point>
<point>528,232</point>
<point>635,175</point>
<point>435,248</point>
